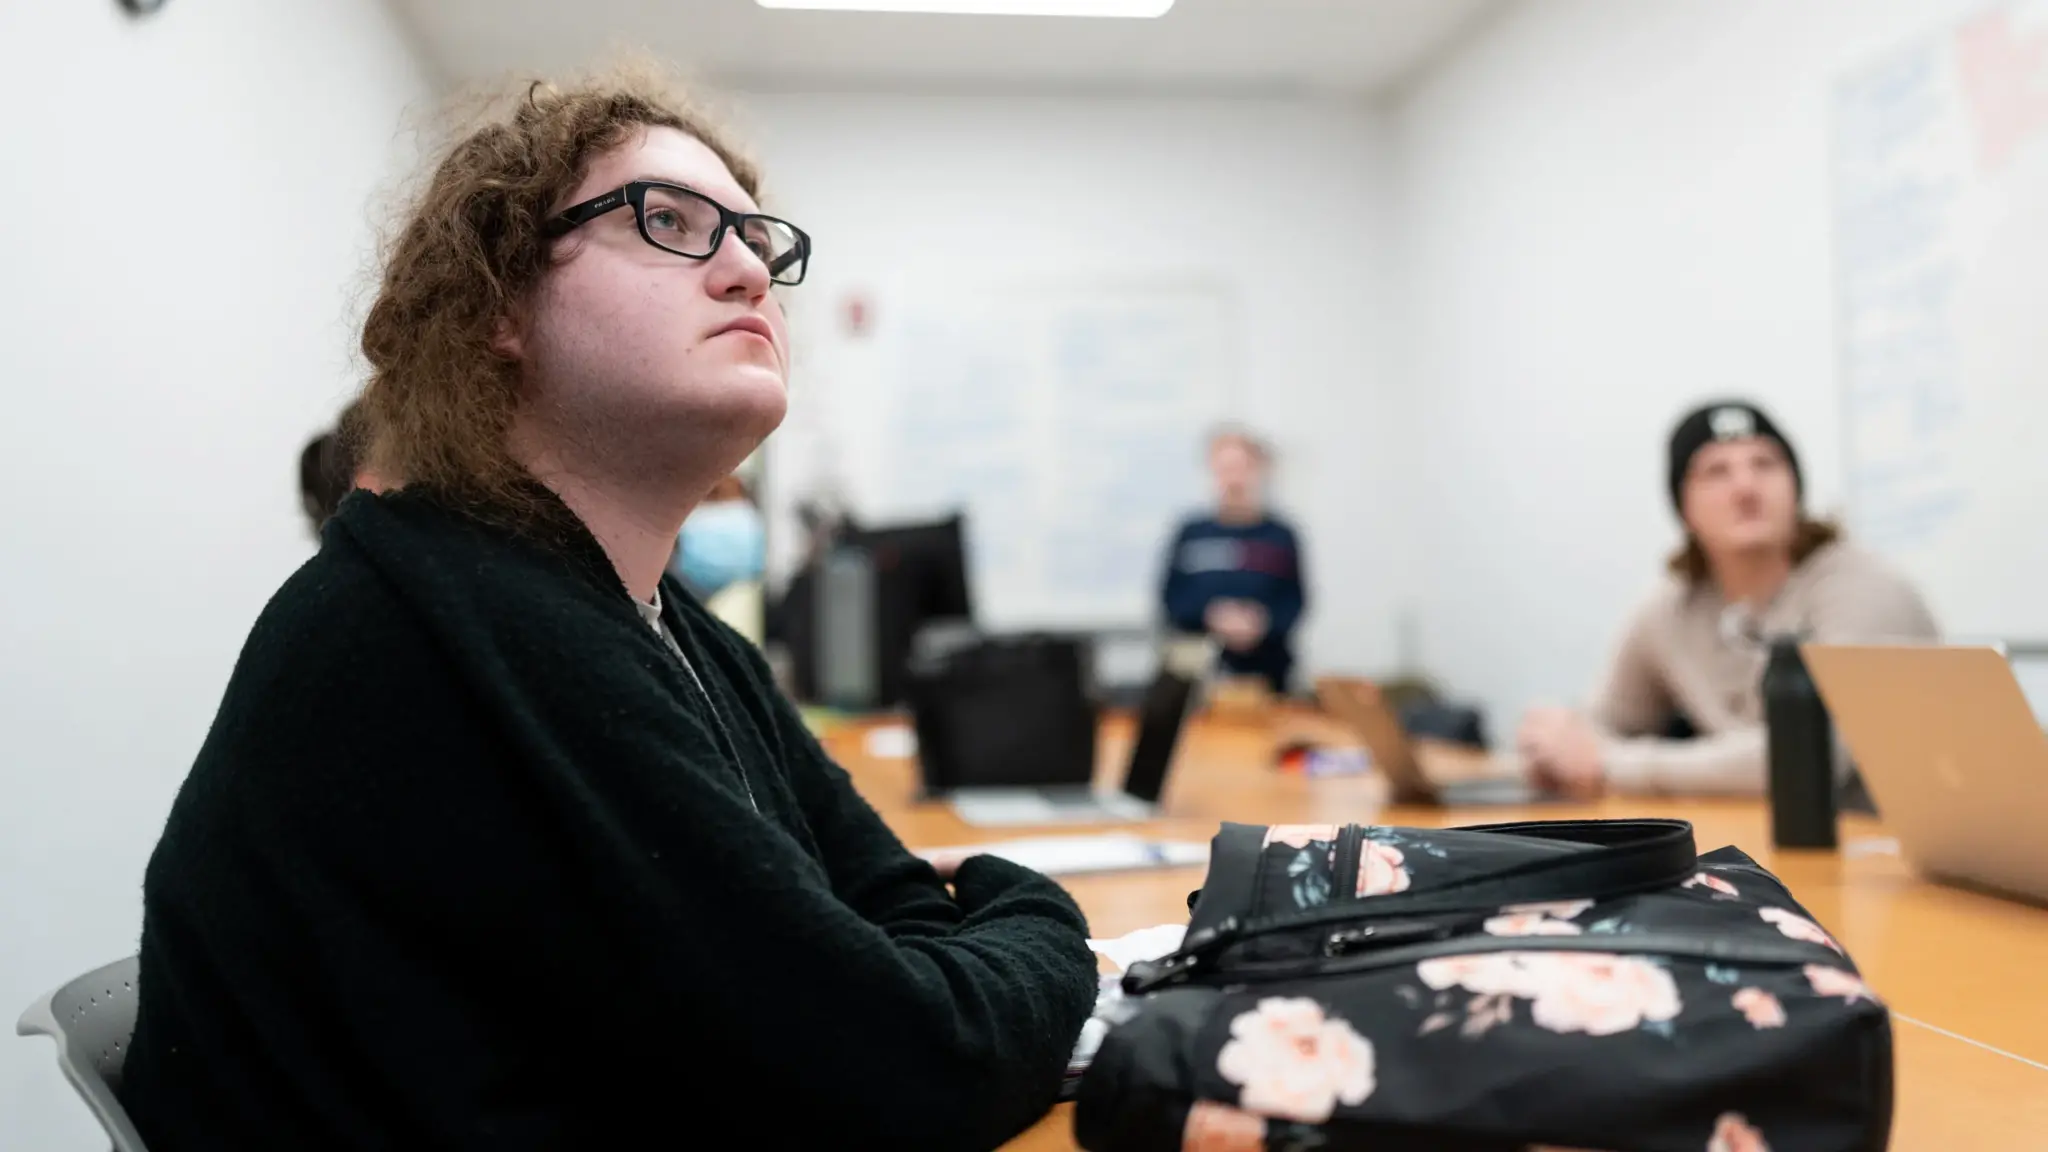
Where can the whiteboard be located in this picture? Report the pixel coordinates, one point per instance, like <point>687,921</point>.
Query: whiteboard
<point>1941,228</point>
<point>1068,422</point>
<point>1066,419</point>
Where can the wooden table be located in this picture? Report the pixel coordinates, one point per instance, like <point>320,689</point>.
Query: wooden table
<point>1966,975</point>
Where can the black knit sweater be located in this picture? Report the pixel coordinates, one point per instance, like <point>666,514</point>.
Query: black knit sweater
<point>466,862</point>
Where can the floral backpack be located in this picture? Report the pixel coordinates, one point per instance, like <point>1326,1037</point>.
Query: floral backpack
<point>1542,986</point>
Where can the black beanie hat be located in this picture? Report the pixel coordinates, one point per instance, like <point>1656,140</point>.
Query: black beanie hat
<point>1724,420</point>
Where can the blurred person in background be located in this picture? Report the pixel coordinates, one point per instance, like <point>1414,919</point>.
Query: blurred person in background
<point>722,556</point>
<point>330,468</point>
<point>1234,572</point>
<point>482,763</point>
<point>1681,709</point>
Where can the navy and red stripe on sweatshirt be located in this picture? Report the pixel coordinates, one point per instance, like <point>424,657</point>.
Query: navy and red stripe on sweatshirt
<point>1260,562</point>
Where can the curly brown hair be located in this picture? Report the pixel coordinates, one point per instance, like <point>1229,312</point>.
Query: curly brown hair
<point>441,397</point>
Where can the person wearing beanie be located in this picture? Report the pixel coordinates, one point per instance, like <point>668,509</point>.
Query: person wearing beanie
<point>1681,709</point>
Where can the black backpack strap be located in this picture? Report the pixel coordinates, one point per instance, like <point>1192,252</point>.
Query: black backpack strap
<point>1622,857</point>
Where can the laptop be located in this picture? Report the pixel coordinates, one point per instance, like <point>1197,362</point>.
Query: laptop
<point>1953,752</point>
<point>1360,706</point>
<point>1161,718</point>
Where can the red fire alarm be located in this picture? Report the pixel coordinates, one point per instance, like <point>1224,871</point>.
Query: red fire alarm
<point>858,316</point>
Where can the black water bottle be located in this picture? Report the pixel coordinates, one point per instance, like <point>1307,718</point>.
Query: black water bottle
<point>1802,751</point>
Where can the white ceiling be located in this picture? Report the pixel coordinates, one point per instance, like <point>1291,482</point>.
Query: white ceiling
<point>1349,46</point>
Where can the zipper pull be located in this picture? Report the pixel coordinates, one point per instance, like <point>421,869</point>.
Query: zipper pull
<point>1198,948</point>
<point>1209,941</point>
<point>1151,975</point>
<point>1339,943</point>
<point>1370,936</point>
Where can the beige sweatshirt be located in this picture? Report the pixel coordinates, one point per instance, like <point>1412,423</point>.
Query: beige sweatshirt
<point>1685,651</point>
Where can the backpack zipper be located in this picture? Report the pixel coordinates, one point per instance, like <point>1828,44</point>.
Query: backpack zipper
<point>1392,952</point>
<point>1344,869</point>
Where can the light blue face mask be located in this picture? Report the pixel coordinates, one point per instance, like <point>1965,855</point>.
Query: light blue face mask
<point>722,544</point>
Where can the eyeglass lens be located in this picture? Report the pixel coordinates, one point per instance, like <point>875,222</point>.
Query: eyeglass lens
<point>687,224</point>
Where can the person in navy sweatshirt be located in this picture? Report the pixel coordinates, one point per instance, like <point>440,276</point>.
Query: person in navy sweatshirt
<point>1235,573</point>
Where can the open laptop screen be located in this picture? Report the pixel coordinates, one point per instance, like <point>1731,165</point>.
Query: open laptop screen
<point>2030,668</point>
<point>1160,719</point>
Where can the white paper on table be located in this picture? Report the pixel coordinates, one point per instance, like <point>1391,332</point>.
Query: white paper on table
<point>1144,944</point>
<point>1079,855</point>
<point>1111,1006</point>
<point>891,742</point>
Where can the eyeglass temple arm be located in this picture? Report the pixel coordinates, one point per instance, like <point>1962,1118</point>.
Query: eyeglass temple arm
<point>578,215</point>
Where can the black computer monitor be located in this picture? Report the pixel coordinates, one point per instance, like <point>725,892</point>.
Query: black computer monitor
<point>920,579</point>
<point>928,562</point>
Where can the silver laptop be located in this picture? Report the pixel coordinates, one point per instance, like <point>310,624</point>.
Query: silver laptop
<point>1359,705</point>
<point>1023,807</point>
<point>1953,752</point>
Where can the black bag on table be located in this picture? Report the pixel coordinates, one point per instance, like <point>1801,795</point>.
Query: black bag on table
<point>1581,985</point>
<point>1003,711</point>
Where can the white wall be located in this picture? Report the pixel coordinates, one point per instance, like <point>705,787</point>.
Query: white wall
<point>1610,209</point>
<point>1280,200</point>
<point>188,208</point>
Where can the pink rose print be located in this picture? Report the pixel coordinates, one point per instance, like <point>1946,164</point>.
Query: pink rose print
<point>1492,974</point>
<point>1835,982</point>
<point>1798,927</point>
<point>1732,1133</point>
<point>1529,924</point>
<point>1220,1128</point>
<point>1712,883</point>
<point>1554,919</point>
<point>1291,1061</point>
<point>1597,993</point>
<point>1299,835</point>
<point>1760,1008</point>
<point>1381,869</point>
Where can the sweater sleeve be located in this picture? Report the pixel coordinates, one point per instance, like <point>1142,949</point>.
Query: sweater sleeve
<point>1285,610</point>
<point>1870,605</point>
<point>1730,763</point>
<point>967,1032</point>
<point>658,877</point>
<point>869,867</point>
<point>1182,596</point>
<point>1631,710</point>
<point>1855,605</point>
<point>1633,701</point>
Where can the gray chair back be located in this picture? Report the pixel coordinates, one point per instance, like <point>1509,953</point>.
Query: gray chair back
<point>92,1019</point>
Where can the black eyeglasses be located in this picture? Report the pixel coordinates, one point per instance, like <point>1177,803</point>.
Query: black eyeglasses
<point>676,219</point>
